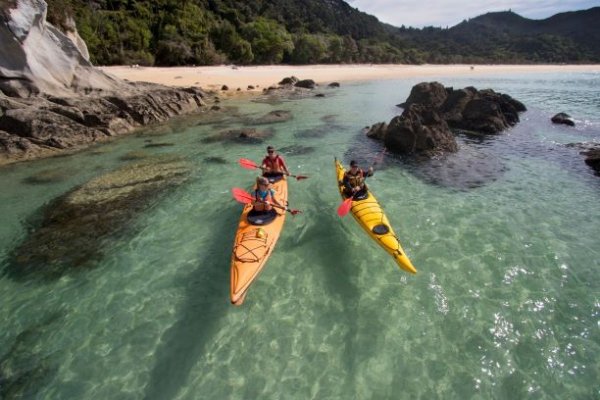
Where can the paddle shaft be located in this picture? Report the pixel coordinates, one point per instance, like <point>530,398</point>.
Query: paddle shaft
<point>247,198</point>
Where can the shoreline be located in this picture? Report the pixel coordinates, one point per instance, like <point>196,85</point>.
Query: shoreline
<point>261,77</point>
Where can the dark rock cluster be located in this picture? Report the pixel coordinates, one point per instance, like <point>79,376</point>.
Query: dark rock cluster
<point>432,111</point>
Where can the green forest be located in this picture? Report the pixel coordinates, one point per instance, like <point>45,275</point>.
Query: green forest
<point>209,32</point>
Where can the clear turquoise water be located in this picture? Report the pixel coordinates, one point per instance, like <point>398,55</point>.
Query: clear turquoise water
<point>505,237</point>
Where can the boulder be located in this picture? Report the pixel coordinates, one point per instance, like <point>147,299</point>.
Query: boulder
<point>289,81</point>
<point>334,85</point>
<point>306,84</point>
<point>377,131</point>
<point>419,130</point>
<point>563,118</point>
<point>432,109</point>
<point>427,93</point>
<point>592,158</point>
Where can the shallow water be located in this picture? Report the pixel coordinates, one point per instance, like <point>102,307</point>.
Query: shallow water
<point>504,236</point>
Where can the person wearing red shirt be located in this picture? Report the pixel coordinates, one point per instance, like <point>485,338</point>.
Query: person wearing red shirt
<point>273,164</point>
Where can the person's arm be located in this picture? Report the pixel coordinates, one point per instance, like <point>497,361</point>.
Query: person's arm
<point>284,166</point>
<point>368,173</point>
<point>274,199</point>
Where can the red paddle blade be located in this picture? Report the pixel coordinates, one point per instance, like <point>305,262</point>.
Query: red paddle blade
<point>241,195</point>
<point>300,177</point>
<point>294,212</point>
<point>248,164</point>
<point>345,207</point>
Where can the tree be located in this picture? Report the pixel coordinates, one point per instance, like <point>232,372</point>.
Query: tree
<point>269,40</point>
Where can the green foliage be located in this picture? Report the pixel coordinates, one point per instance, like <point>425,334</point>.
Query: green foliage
<point>309,49</point>
<point>205,32</point>
<point>269,40</point>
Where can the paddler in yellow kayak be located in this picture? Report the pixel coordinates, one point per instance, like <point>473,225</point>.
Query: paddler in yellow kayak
<point>354,181</point>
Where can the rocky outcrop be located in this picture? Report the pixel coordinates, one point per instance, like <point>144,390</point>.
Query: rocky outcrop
<point>42,126</point>
<point>563,118</point>
<point>75,228</point>
<point>51,97</point>
<point>470,109</point>
<point>432,110</point>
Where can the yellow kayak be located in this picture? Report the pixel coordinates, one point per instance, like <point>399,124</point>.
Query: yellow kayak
<point>372,219</point>
<point>254,242</point>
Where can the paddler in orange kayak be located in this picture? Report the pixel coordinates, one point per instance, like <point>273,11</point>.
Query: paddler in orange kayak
<point>273,164</point>
<point>264,195</point>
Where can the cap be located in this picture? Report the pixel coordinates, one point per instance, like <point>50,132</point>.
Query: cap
<point>353,163</point>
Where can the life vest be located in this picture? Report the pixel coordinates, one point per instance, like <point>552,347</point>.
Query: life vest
<point>259,195</point>
<point>275,165</point>
<point>356,180</point>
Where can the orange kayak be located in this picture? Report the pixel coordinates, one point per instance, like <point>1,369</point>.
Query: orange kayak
<point>254,242</point>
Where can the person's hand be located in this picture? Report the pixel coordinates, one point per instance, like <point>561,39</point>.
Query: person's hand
<point>267,203</point>
<point>288,173</point>
<point>356,189</point>
<point>371,169</point>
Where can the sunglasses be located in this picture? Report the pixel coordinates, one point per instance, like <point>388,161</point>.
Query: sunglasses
<point>271,151</point>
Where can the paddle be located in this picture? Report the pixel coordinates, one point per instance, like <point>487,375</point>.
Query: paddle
<point>249,164</point>
<point>244,197</point>
<point>346,205</point>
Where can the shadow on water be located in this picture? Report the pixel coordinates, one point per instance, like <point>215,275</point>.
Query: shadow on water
<point>206,302</point>
<point>339,273</point>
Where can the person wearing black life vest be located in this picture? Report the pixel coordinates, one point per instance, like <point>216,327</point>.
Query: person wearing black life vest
<point>354,180</point>
<point>273,164</point>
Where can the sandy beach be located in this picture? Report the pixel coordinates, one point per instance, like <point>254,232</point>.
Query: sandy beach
<point>214,77</point>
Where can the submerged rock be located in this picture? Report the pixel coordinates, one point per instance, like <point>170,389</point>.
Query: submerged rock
<point>74,229</point>
<point>272,117</point>
<point>47,176</point>
<point>242,135</point>
<point>215,160</point>
<point>296,150</point>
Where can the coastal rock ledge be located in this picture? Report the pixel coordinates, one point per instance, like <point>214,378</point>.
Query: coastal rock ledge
<point>53,99</point>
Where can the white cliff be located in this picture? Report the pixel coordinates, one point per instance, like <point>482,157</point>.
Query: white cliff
<point>36,57</point>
